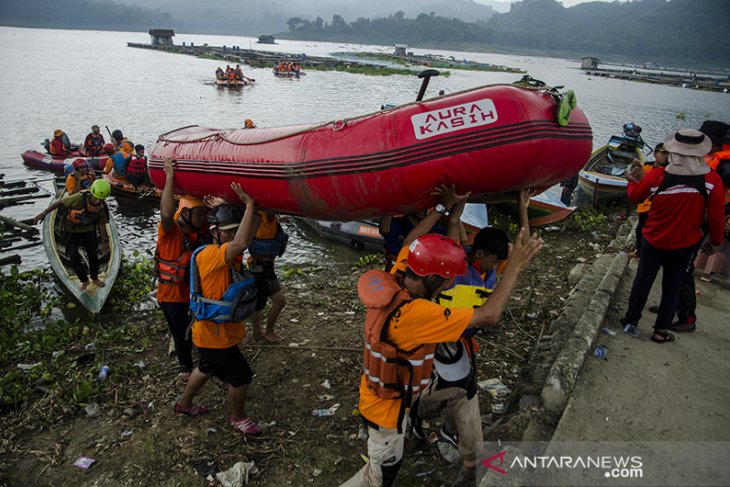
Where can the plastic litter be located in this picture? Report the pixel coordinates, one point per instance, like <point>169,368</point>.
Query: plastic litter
<point>28,366</point>
<point>93,410</point>
<point>127,434</point>
<point>84,462</point>
<point>237,475</point>
<point>600,352</point>
<point>607,331</point>
<point>90,346</point>
<point>103,373</point>
<point>321,412</point>
<point>140,364</point>
<point>326,384</point>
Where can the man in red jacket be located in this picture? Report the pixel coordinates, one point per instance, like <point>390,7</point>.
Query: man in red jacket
<point>681,192</point>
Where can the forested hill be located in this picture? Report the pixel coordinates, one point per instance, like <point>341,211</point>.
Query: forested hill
<point>82,14</point>
<point>642,29</point>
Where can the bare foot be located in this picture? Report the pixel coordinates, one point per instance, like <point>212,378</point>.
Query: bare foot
<point>99,283</point>
<point>272,337</point>
<point>84,285</point>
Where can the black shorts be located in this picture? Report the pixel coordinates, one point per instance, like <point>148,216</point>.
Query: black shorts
<point>228,364</point>
<point>267,284</point>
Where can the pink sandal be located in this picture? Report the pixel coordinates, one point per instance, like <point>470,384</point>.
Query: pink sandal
<point>191,411</point>
<point>245,426</point>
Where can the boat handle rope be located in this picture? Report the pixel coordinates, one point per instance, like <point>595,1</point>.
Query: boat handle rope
<point>337,125</point>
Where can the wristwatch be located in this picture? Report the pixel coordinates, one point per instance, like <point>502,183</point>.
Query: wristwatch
<point>441,208</point>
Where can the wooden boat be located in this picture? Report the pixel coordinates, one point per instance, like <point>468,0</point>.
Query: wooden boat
<point>491,141</point>
<point>603,178</point>
<point>54,243</point>
<point>40,160</point>
<point>545,208</point>
<point>122,187</point>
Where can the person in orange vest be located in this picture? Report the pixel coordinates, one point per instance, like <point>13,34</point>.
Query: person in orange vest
<point>661,157</point>
<point>181,230</point>
<point>407,339</point>
<point>81,178</point>
<point>58,146</point>
<point>213,270</point>
<point>94,142</point>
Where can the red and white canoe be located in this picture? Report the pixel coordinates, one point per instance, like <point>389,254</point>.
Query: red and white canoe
<point>491,141</point>
<point>45,161</point>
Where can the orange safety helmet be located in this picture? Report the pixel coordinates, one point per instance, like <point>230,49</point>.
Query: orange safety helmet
<point>57,133</point>
<point>187,201</point>
<point>435,254</point>
<point>248,123</point>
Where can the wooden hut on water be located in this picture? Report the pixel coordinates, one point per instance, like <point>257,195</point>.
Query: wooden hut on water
<point>162,37</point>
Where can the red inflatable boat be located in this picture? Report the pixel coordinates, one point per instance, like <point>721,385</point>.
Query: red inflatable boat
<point>491,141</point>
<point>45,161</point>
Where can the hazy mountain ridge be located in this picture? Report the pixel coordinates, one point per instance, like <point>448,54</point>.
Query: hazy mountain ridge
<point>640,29</point>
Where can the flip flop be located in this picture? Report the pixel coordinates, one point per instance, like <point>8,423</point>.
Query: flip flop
<point>666,337</point>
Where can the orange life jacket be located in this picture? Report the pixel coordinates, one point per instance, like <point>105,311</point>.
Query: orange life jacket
<point>88,214</point>
<point>174,272</point>
<point>390,372</point>
<point>713,160</point>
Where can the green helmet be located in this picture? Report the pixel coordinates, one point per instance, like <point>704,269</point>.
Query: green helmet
<point>100,189</point>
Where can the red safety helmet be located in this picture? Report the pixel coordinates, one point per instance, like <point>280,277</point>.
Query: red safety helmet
<point>108,149</point>
<point>79,163</point>
<point>436,254</point>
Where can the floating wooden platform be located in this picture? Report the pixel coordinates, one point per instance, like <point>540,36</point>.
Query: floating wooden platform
<point>682,80</point>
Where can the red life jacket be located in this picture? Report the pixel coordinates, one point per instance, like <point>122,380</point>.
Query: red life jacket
<point>58,148</point>
<point>137,166</point>
<point>390,372</point>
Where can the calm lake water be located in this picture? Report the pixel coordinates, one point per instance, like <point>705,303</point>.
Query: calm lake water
<point>73,79</point>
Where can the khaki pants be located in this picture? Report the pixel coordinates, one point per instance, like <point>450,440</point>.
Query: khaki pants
<point>385,449</point>
<point>462,416</point>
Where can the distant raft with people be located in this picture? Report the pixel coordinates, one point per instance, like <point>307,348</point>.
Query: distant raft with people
<point>490,141</point>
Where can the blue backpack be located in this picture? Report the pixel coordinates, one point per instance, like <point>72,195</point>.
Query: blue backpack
<point>270,247</point>
<point>237,303</point>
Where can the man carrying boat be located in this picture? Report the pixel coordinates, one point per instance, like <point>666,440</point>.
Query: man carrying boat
<point>221,297</point>
<point>85,212</point>
<point>94,142</point>
<point>402,328</point>
<point>181,230</point>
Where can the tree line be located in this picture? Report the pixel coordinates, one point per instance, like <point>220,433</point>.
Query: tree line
<point>689,29</point>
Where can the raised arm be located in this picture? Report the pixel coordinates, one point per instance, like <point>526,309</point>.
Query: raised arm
<point>246,230</point>
<point>167,199</point>
<point>521,253</point>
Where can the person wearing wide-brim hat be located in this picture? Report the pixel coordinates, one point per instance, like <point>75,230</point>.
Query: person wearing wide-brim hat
<point>681,193</point>
<point>717,132</point>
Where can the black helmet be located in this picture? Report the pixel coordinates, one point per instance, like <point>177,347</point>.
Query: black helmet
<point>723,169</point>
<point>224,217</point>
<point>117,134</point>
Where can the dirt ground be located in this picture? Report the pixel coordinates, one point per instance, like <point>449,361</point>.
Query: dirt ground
<point>138,440</point>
